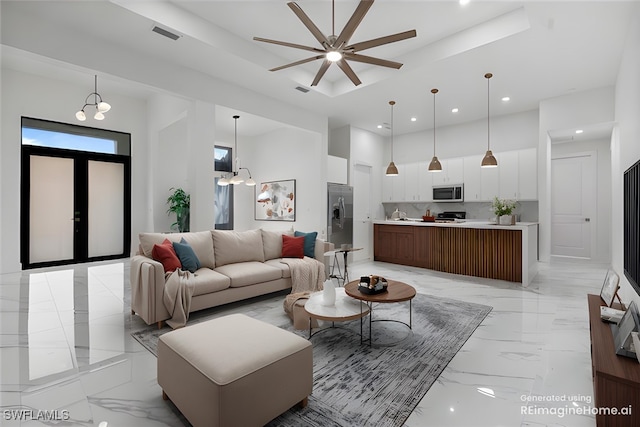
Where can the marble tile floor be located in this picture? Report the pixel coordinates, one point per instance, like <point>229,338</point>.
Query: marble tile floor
<point>67,357</point>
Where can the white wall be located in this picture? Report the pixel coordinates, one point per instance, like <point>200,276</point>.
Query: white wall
<point>626,141</point>
<point>602,218</point>
<point>285,154</point>
<point>573,111</point>
<point>509,132</point>
<point>49,99</point>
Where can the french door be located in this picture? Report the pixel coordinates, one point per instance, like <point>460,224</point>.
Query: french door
<point>75,206</point>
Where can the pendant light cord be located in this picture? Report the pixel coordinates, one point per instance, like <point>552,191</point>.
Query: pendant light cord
<point>488,76</point>
<point>235,140</point>
<point>434,91</point>
<point>392,103</point>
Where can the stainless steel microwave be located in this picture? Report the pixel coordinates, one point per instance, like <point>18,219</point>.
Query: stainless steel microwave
<point>448,193</point>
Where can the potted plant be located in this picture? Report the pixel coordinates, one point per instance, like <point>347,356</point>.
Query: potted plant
<point>503,209</point>
<point>179,202</point>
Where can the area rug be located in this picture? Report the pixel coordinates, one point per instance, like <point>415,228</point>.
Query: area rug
<point>379,385</point>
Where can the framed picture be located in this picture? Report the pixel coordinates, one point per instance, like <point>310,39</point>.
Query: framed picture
<point>622,332</point>
<point>276,201</point>
<point>609,287</point>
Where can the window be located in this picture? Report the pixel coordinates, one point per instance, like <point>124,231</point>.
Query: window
<point>223,198</point>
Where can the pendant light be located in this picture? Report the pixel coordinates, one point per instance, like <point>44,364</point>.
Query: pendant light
<point>489,160</point>
<point>435,165</point>
<point>236,178</point>
<point>100,106</point>
<point>392,170</point>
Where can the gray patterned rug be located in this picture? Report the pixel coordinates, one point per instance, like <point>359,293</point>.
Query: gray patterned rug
<point>359,385</point>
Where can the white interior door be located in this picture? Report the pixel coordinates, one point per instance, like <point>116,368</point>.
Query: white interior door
<point>362,228</point>
<point>51,212</point>
<point>573,188</point>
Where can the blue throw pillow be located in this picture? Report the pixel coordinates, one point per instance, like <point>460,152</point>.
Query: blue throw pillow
<point>187,256</point>
<point>309,242</point>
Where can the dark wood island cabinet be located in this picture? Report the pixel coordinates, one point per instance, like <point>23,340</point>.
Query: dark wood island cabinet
<point>481,250</point>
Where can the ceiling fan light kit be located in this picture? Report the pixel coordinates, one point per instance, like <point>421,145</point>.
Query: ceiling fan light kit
<point>336,49</point>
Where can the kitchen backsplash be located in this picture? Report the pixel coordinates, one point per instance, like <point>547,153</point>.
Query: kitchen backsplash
<point>527,210</point>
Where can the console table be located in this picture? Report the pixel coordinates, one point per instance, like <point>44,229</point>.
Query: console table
<point>616,379</point>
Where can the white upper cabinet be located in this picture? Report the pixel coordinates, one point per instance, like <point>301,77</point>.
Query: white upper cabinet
<point>528,174</point>
<point>393,186</point>
<point>425,183</point>
<point>411,182</point>
<point>472,185</point>
<point>508,171</point>
<point>452,172</point>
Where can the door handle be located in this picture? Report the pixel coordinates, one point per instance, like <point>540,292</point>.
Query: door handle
<point>587,220</point>
<point>75,219</point>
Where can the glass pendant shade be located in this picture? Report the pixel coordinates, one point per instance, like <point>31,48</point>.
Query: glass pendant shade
<point>236,179</point>
<point>392,170</point>
<point>435,165</point>
<point>489,160</point>
<point>250,182</point>
<point>223,182</point>
<point>94,100</point>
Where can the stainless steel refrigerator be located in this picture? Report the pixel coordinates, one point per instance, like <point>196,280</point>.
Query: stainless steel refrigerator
<point>340,215</point>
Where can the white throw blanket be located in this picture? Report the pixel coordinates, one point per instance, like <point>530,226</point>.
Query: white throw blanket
<point>178,290</point>
<point>307,274</point>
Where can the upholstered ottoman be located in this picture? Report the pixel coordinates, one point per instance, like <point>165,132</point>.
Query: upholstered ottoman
<point>234,371</point>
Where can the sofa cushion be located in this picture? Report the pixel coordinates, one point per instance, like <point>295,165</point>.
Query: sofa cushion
<point>292,247</point>
<point>200,241</point>
<point>272,242</point>
<point>309,242</point>
<point>207,281</point>
<point>249,273</point>
<point>237,246</point>
<point>277,263</point>
<point>165,253</point>
<point>188,258</point>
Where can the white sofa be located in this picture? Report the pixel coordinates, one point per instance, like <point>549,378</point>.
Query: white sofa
<point>235,265</point>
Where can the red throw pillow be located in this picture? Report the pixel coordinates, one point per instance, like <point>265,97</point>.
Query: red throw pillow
<point>292,247</point>
<point>165,254</point>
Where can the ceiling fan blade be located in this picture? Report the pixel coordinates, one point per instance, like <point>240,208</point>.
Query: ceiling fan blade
<point>356,47</point>
<point>293,64</point>
<point>354,21</point>
<point>323,69</point>
<point>349,72</point>
<point>322,39</point>
<point>371,60</point>
<point>287,44</point>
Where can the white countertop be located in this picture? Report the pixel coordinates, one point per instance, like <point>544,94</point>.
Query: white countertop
<point>465,224</point>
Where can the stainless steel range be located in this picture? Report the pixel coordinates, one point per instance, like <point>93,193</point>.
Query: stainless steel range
<point>450,216</point>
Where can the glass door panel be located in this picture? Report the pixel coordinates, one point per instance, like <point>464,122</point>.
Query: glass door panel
<point>52,191</point>
<point>106,207</point>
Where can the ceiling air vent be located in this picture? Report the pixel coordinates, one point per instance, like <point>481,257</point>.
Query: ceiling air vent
<point>302,89</point>
<point>165,33</point>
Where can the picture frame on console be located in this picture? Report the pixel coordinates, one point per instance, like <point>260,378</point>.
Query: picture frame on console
<point>622,338</point>
<point>610,288</point>
<point>276,201</point>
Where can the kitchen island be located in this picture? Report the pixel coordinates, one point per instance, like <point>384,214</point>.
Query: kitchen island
<point>472,248</point>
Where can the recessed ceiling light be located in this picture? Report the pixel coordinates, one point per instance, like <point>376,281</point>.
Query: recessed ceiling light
<point>579,131</point>
<point>454,110</point>
<point>506,98</point>
<point>413,119</point>
<point>464,2</point>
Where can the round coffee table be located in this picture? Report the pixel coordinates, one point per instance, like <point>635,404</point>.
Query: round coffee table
<point>344,309</point>
<point>396,292</point>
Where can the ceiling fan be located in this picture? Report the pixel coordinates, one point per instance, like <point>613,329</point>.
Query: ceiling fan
<point>337,48</point>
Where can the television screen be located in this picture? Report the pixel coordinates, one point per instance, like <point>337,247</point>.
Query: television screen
<point>631,256</point>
